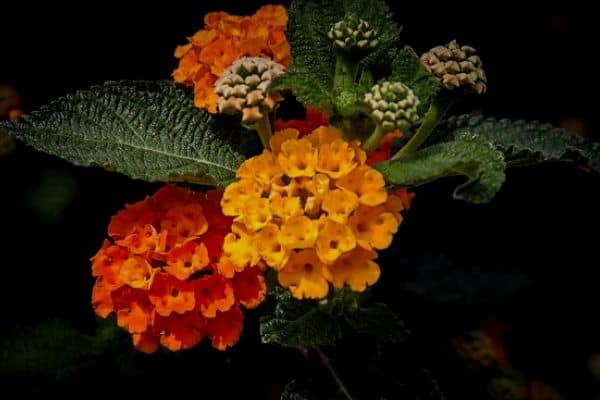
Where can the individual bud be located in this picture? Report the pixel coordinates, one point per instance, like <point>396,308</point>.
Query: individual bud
<point>456,66</point>
<point>242,88</point>
<point>353,33</point>
<point>393,105</point>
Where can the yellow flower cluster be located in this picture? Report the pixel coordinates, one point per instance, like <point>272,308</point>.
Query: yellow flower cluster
<point>313,210</point>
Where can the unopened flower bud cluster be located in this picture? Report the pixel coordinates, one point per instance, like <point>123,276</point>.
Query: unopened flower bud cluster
<point>242,88</point>
<point>353,33</point>
<point>456,66</point>
<point>393,105</point>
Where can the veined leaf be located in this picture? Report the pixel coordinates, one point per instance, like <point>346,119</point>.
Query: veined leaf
<point>310,76</point>
<point>467,155</point>
<point>523,142</point>
<point>380,17</point>
<point>315,328</point>
<point>298,324</point>
<point>147,130</point>
<point>407,69</point>
<point>55,349</point>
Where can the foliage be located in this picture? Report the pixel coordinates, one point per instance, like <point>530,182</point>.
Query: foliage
<point>468,155</point>
<point>523,142</point>
<point>147,130</point>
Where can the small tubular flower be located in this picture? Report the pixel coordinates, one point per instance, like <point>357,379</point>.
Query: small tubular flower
<point>321,206</point>
<point>163,273</point>
<point>224,39</point>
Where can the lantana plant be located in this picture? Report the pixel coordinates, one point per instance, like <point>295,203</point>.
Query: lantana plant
<point>259,207</point>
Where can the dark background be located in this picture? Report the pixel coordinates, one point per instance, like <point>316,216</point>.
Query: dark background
<point>541,229</point>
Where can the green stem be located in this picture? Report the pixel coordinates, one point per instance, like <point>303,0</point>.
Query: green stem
<point>263,127</point>
<point>436,112</point>
<point>372,143</point>
<point>338,381</point>
<point>346,72</point>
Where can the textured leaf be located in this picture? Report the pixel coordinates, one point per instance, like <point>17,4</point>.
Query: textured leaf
<point>147,130</point>
<point>524,142</point>
<point>315,328</point>
<point>379,322</point>
<point>298,324</point>
<point>379,16</point>
<point>468,155</point>
<point>53,349</point>
<point>407,69</point>
<point>310,76</point>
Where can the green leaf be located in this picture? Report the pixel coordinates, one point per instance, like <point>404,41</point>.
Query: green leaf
<point>468,155</point>
<point>379,322</point>
<point>54,349</point>
<point>147,130</point>
<point>379,16</point>
<point>299,324</point>
<point>523,142</point>
<point>310,76</point>
<point>407,69</point>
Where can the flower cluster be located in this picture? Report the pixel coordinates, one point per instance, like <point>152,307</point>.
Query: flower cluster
<point>242,88</point>
<point>313,210</point>
<point>224,39</point>
<point>353,33</point>
<point>164,275</point>
<point>393,105</point>
<point>455,67</point>
<point>384,150</point>
<point>314,119</point>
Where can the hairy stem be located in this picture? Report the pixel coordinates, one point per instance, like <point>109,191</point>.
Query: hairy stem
<point>338,381</point>
<point>372,143</point>
<point>346,73</point>
<point>263,127</point>
<point>436,112</point>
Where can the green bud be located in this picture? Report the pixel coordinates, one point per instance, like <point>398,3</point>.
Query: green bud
<point>393,105</point>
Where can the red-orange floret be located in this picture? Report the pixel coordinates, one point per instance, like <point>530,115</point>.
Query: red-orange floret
<point>162,273</point>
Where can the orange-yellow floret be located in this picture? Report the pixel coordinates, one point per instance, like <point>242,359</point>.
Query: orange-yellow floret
<point>224,39</point>
<point>313,210</point>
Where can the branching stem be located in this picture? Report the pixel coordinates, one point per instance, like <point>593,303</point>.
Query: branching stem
<point>439,107</point>
<point>338,381</point>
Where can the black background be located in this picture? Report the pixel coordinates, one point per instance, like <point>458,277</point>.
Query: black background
<point>540,63</point>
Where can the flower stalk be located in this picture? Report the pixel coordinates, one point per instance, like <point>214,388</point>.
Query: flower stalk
<point>327,364</point>
<point>438,108</point>
<point>373,141</point>
<point>264,130</point>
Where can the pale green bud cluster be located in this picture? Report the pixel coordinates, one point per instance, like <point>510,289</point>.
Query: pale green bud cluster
<point>393,105</point>
<point>353,33</point>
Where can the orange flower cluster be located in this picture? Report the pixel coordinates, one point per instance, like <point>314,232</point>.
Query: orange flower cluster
<point>314,211</point>
<point>224,39</point>
<point>384,151</point>
<point>164,275</point>
<point>314,119</point>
